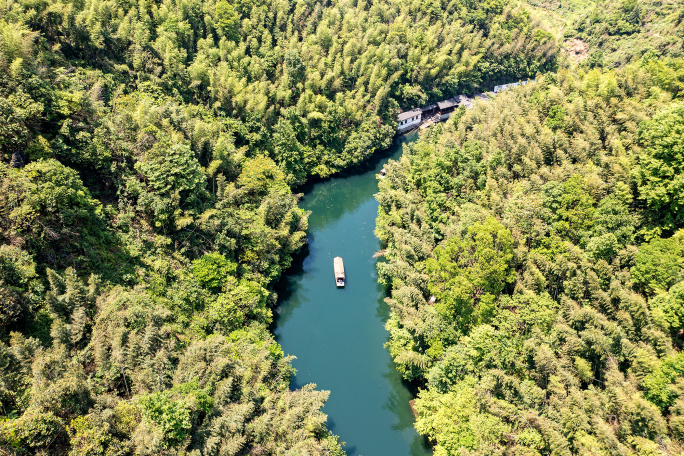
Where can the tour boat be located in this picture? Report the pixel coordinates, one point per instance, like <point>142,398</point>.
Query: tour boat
<point>339,272</point>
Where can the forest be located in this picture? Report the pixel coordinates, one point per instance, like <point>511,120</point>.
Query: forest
<point>536,266</point>
<point>611,34</point>
<point>149,151</point>
<point>620,32</point>
<point>535,250</point>
<point>150,156</point>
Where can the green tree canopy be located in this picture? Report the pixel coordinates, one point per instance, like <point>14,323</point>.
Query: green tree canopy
<point>658,264</point>
<point>660,174</point>
<point>228,20</point>
<point>467,274</point>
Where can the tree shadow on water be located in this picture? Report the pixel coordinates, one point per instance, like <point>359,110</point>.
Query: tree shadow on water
<point>420,446</point>
<point>398,399</point>
<point>398,404</point>
<point>382,311</point>
<point>371,164</point>
<point>401,393</point>
<point>333,197</point>
<point>288,289</point>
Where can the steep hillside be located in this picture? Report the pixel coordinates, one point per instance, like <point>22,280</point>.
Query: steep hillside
<point>535,261</point>
<point>613,33</point>
<point>148,153</point>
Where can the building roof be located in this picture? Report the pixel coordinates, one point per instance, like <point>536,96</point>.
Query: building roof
<point>409,114</point>
<point>463,100</point>
<point>429,108</point>
<point>446,104</point>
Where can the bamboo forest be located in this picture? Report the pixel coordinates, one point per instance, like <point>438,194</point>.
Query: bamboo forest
<point>176,177</point>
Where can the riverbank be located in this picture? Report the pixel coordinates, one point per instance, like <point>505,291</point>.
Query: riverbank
<point>338,335</point>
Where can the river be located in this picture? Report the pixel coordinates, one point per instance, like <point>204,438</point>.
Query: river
<point>338,334</point>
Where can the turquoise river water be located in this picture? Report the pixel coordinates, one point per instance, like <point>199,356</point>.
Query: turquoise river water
<point>338,334</point>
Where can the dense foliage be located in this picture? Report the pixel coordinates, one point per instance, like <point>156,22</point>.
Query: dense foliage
<point>156,352</point>
<point>620,32</point>
<point>316,86</point>
<point>536,266</point>
<point>148,150</point>
<point>613,33</point>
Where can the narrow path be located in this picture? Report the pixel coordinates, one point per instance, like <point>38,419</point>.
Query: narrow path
<point>338,334</point>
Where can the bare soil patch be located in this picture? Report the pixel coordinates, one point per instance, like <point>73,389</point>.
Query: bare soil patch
<point>577,49</point>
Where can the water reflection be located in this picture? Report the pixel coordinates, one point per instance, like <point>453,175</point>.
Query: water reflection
<point>343,193</point>
<point>398,400</point>
<point>382,310</point>
<point>338,334</point>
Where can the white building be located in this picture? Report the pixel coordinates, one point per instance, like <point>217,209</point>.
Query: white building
<point>409,119</point>
<point>503,87</point>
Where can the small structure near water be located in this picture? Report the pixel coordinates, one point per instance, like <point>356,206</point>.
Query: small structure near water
<point>430,110</point>
<point>442,110</point>
<point>446,107</point>
<point>428,123</point>
<point>339,272</point>
<point>409,120</point>
<point>431,114</point>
